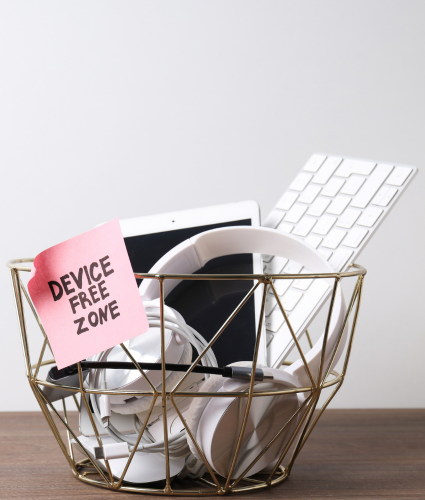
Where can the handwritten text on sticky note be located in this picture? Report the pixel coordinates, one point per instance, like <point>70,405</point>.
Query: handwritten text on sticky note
<point>86,295</point>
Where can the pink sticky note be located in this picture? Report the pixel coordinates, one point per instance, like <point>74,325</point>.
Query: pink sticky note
<point>86,295</point>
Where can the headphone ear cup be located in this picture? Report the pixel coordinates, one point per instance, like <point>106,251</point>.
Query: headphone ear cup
<point>197,407</point>
<point>219,424</point>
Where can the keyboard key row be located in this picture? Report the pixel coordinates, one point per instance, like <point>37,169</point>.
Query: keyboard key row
<point>281,286</point>
<point>309,194</point>
<point>300,182</point>
<point>296,212</point>
<point>288,301</point>
<point>326,170</point>
<point>355,237</point>
<point>370,216</point>
<point>324,225</point>
<point>304,226</point>
<point>325,253</point>
<point>276,265</point>
<point>334,238</point>
<point>303,284</point>
<point>360,167</point>
<point>353,185</point>
<point>332,187</point>
<point>340,258</point>
<point>313,241</point>
<point>371,186</point>
<point>314,163</point>
<point>398,177</point>
<point>318,207</point>
<point>293,267</point>
<point>384,196</point>
<point>339,204</point>
<point>285,228</point>
<point>348,218</point>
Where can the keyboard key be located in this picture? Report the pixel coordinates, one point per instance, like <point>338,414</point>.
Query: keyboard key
<point>276,265</point>
<point>267,258</point>
<point>285,228</point>
<point>295,214</point>
<point>332,187</point>
<point>314,163</point>
<point>313,241</point>
<point>270,304</point>
<point>370,216</point>
<point>293,267</point>
<point>334,238</point>
<point>304,226</point>
<point>355,237</point>
<point>384,196</point>
<point>371,186</point>
<point>273,219</point>
<point>325,253</point>
<point>300,182</point>
<point>290,299</point>
<point>348,218</point>
<point>352,185</point>
<point>318,207</point>
<point>340,258</point>
<point>275,320</point>
<point>309,194</point>
<point>326,170</point>
<point>399,175</point>
<point>281,286</point>
<point>303,284</point>
<point>287,200</point>
<point>360,167</point>
<point>324,224</point>
<point>339,204</point>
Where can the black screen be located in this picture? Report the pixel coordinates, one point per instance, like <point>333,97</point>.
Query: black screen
<point>206,305</point>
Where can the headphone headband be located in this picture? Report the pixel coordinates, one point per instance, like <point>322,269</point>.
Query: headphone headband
<point>193,253</point>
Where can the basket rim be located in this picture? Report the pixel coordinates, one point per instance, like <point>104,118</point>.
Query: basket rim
<point>360,271</point>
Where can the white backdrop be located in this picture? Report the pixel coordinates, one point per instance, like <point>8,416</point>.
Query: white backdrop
<point>127,108</point>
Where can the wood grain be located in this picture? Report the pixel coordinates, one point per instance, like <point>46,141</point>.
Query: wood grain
<point>351,454</point>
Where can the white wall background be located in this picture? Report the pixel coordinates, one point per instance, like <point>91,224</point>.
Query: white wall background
<point>127,108</point>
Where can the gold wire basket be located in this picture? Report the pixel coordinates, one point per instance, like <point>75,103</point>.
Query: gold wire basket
<point>88,471</point>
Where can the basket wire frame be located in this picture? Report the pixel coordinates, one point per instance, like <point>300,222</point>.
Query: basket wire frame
<point>310,415</point>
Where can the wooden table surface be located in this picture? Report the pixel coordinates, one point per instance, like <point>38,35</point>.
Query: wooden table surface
<point>351,454</point>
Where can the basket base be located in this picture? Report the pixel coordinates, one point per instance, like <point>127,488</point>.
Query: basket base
<point>158,488</point>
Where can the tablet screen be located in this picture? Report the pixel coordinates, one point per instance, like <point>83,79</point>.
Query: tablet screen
<point>206,305</point>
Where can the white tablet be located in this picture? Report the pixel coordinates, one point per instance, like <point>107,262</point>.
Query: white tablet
<point>205,305</point>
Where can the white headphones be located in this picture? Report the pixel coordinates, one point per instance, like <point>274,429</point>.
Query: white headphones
<point>215,422</point>
<point>195,252</point>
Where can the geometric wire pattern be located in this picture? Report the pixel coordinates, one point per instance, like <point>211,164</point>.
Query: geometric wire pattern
<point>211,483</point>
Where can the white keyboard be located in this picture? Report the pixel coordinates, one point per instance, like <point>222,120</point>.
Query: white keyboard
<point>334,204</point>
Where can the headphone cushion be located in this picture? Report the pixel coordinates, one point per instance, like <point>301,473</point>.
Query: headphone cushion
<point>197,407</point>
<point>143,404</point>
<point>218,425</point>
